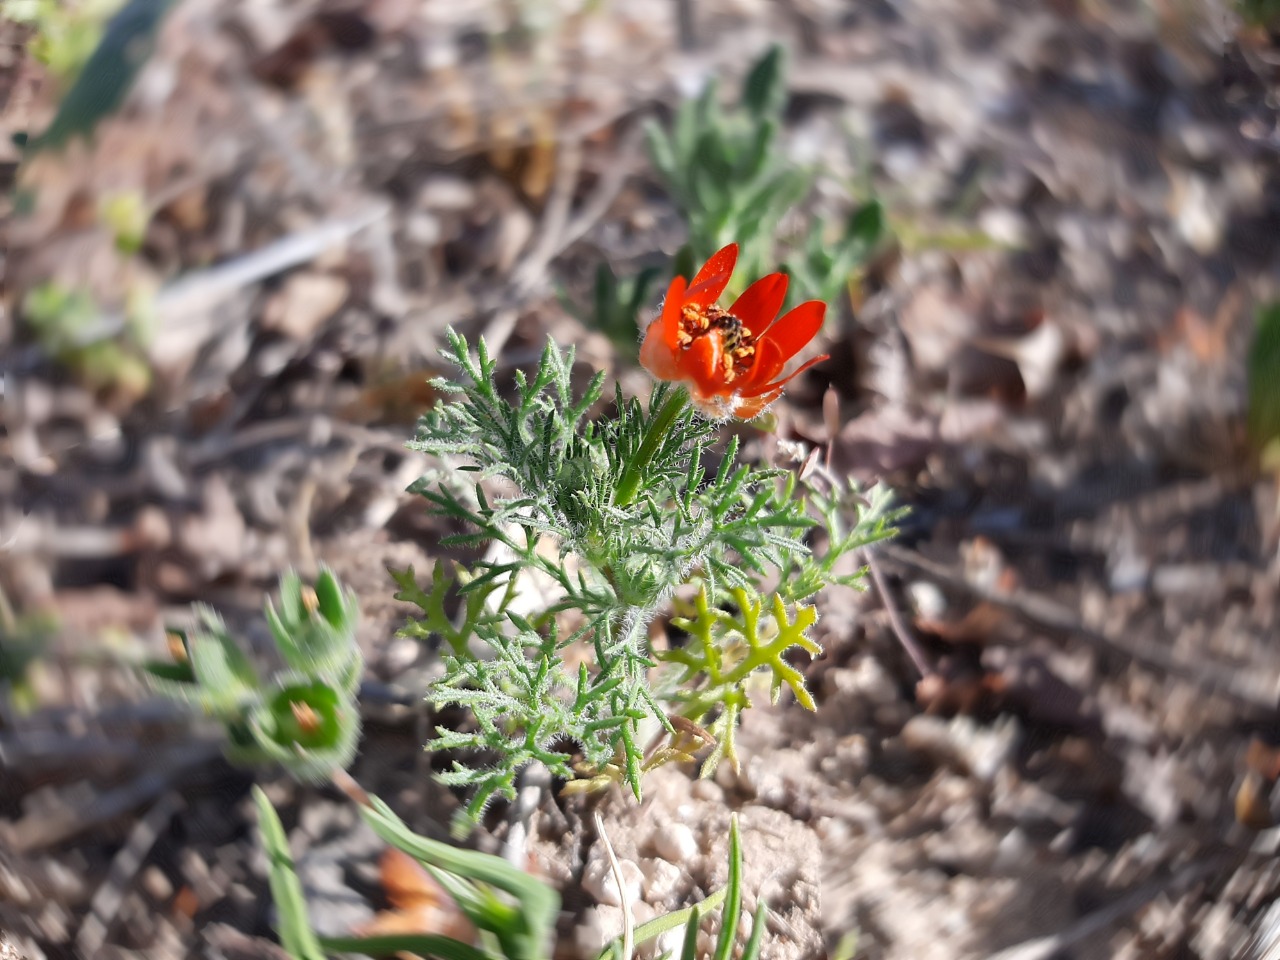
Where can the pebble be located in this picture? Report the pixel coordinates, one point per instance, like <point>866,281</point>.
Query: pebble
<point>675,843</point>
<point>708,790</point>
<point>1199,216</point>
<point>981,750</point>
<point>927,599</point>
<point>1004,226</point>
<point>599,881</point>
<point>423,228</point>
<point>156,884</point>
<point>664,881</point>
<point>601,925</point>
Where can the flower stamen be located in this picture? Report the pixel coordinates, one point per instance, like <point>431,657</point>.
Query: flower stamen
<point>738,345</point>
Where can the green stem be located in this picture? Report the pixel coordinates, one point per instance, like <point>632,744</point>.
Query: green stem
<point>659,427</point>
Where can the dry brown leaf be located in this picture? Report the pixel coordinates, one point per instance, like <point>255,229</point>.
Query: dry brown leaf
<point>1038,355</point>
<point>1207,339</point>
<point>1252,806</point>
<point>1263,759</point>
<point>305,301</point>
<point>419,904</point>
<point>979,626</point>
<point>396,398</point>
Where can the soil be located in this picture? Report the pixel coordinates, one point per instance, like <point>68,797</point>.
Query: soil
<point>1048,367</point>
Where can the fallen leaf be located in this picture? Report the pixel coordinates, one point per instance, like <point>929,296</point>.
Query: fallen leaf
<point>979,626</point>
<point>419,904</point>
<point>305,301</point>
<point>1263,759</point>
<point>1253,809</point>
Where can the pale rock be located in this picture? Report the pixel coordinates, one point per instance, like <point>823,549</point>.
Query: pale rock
<point>1199,215</point>
<point>402,653</point>
<point>675,843</point>
<point>1003,225</point>
<point>664,880</point>
<point>423,228</point>
<point>871,682</point>
<point>927,599</point>
<point>595,929</point>
<point>708,790</point>
<point>156,884</point>
<point>599,881</point>
<point>1012,852</point>
<point>963,742</point>
<point>1218,935</point>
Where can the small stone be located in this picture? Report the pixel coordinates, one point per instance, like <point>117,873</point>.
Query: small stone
<point>1004,226</point>
<point>664,881</point>
<point>927,600</point>
<point>402,653</point>
<point>595,929</point>
<point>961,741</point>
<point>423,229</point>
<point>1218,934</point>
<point>1012,852</point>
<point>602,925</point>
<point>1198,215</point>
<point>675,843</point>
<point>599,881</point>
<point>156,884</point>
<point>708,790</point>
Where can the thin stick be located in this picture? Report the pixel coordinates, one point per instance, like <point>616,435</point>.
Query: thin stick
<point>547,243</point>
<point>202,290</point>
<point>1255,687</point>
<point>606,190</point>
<point>124,867</point>
<point>900,628</point>
<point>628,921</point>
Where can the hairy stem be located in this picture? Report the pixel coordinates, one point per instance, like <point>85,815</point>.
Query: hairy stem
<point>659,427</point>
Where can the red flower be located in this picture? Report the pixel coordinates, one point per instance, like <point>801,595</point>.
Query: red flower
<point>729,359</point>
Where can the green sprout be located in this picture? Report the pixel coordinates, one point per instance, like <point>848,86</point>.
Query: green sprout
<point>727,171</point>
<point>304,716</point>
<point>1264,388</point>
<point>513,913</point>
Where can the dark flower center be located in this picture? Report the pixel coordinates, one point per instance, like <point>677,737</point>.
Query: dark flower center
<point>738,345</point>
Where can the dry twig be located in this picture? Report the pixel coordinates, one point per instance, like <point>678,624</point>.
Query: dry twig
<point>124,867</point>
<point>1255,688</point>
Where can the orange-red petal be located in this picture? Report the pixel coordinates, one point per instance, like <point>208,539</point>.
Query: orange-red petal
<point>656,355</point>
<point>748,408</point>
<point>702,363</point>
<point>756,390</point>
<point>768,363</point>
<point>797,328</point>
<point>760,303</point>
<point>671,308</point>
<point>710,281</point>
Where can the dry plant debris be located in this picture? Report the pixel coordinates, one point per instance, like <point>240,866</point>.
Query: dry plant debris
<point>1049,367</point>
